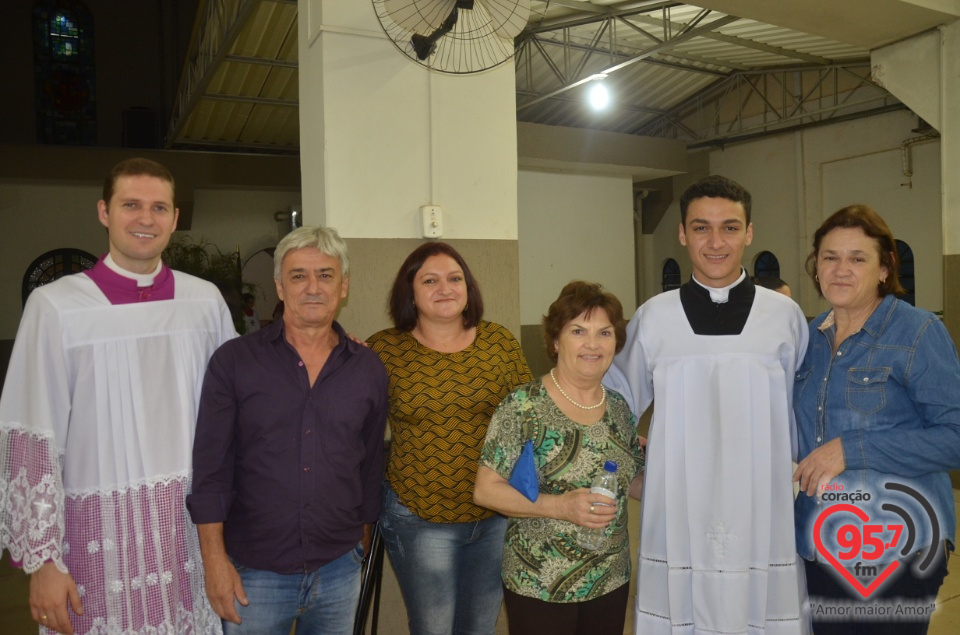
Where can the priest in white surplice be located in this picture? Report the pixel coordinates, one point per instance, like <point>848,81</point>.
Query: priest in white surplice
<point>96,428</point>
<point>717,357</point>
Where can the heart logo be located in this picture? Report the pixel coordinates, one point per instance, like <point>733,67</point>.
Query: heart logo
<point>849,577</point>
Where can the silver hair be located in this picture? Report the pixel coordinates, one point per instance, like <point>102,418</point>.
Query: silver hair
<point>326,240</point>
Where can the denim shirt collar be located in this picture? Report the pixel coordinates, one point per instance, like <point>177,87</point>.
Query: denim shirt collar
<point>875,325</point>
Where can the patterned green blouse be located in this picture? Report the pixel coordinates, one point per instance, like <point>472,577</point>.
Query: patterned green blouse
<point>542,558</point>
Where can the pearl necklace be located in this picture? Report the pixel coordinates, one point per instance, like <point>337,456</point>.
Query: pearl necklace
<point>562,392</point>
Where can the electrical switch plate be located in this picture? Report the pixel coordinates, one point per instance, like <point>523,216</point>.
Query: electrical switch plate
<point>432,221</point>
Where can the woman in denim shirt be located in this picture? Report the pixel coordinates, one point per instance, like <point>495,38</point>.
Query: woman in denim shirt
<point>877,402</point>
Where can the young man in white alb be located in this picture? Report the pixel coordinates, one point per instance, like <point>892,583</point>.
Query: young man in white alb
<point>717,357</point>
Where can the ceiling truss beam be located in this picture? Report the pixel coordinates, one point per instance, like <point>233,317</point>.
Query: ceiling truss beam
<point>262,61</point>
<point>249,99</point>
<point>805,94</point>
<point>792,126</point>
<point>689,32</point>
<point>622,107</point>
<point>591,13</point>
<point>265,148</point>
<point>541,44</point>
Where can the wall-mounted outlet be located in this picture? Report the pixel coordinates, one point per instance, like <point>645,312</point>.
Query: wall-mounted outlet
<point>432,221</point>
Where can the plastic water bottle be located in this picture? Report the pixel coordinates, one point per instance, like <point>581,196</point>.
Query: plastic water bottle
<point>603,483</point>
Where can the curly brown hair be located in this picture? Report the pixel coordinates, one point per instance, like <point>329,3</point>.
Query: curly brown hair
<point>576,298</point>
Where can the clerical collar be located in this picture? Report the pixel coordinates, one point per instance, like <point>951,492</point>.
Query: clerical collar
<point>722,294</point>
<point>125,287</point>
<point>707,317</point>
<point>143,279</point>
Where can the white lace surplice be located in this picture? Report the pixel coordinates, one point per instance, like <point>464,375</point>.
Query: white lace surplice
<point>96,433</point>
<point>717,550</point>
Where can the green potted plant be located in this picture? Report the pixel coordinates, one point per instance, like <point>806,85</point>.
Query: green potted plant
<point>205,260</point>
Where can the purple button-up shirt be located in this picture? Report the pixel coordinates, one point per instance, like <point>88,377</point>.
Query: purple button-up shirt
<point>293,471</point>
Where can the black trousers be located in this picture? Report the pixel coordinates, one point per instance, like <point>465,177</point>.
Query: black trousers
<point>893,610</point>
<point>602,616</point>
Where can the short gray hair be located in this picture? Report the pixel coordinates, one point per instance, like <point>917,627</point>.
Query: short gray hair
<point>326,240</point>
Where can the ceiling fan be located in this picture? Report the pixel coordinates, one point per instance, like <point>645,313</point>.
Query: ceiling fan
<point>454,36</point>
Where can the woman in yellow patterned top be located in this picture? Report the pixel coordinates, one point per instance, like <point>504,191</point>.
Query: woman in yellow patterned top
<point>448,371</point>
<point>554,582</point>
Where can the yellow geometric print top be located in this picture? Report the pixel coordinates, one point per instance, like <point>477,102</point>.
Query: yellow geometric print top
<point>440,406</point>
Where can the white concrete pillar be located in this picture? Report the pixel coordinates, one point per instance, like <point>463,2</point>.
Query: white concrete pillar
<point>950,131</point>
<point>950,174</point>
<point>381,136</point>
<point>924,73</point>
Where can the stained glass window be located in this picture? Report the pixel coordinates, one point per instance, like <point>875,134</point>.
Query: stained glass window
<point>64,35</point>
<point>64,73</point>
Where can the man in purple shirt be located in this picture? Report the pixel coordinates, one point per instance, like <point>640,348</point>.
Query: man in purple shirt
<point>288,455</point>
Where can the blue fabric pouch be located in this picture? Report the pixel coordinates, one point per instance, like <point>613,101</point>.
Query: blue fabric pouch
<point>523,478</point>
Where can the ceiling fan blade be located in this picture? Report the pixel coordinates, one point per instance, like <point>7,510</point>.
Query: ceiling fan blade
<point>509,17</point>
<point>419,16</point>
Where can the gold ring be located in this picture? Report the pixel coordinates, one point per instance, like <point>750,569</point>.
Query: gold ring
<point>43,618</point>
<point>591,509</point>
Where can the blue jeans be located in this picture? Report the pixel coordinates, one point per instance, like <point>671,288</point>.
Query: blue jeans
<point>323,601</point>
<point>449,573</point>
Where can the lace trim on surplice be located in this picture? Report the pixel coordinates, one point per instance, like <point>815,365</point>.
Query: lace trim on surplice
<point>132,550</point>
<point>31,498</point>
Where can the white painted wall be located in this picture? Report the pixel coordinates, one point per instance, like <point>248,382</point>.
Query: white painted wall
<point>924,72</point>
<point>913,213</point>
<point>798,179</point>
<point>381,136</point>
<point>838,171</point>
<point>574,226</point>
<point>766,168</point>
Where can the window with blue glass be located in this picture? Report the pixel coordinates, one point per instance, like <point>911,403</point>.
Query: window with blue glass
<point>766,265</point>
<point>64,73</point>
<point>671,275</point>
<point>907,280</point>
